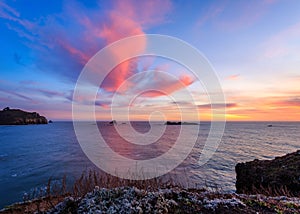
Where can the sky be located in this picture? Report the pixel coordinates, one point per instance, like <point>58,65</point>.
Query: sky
<point>253,46</point>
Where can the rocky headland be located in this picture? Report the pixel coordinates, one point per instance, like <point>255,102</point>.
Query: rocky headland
<point>278,176</point>
<point>19,117</point>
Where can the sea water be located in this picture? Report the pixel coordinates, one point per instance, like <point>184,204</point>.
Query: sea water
<point>31,154</point>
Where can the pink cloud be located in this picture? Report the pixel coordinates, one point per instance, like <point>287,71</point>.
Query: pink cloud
<point>291,102</point>
<point>145,13</point>
<point>118,76</point>
<point>186,79</point>
<point>233,77</point>
<point>126,19</point>
<point>162,84</point>
<point>103,104</point>
<point>83,57</point>
<point>119,26</point>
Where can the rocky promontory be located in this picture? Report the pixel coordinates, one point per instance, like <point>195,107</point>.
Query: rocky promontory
<point>278,176</point>
<point>19,117</point>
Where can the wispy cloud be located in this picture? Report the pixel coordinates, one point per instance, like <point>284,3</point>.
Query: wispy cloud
<point>155,84</point>
<point>103,104</point>
<point>212,12</point>
<point>217,105</point>
<point>283,43</point>
<point>291,102</point>
<point>206,105</point>
<point>18,95</point>
<point>5,9</point>
<point>28,82</point>
<point>51,93</point>
<point>11,14</point>
<point>233,77</point>
<point>234,15</point>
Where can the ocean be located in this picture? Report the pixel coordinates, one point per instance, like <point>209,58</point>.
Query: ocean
<point>30,155</point>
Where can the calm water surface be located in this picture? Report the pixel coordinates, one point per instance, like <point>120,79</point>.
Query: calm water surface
<point>30,155</point>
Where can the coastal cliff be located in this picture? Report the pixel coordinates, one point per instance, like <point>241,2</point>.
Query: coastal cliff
<point>273,177</point>
<point>18,117</point>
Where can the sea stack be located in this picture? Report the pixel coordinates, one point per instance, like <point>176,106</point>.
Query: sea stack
<point>113,122</point>
<point>19,117</point>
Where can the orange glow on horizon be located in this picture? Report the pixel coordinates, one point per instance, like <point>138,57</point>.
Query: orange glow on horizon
<point>262,109</point>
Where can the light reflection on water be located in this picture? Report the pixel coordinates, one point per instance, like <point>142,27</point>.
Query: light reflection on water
<point>29,155</point>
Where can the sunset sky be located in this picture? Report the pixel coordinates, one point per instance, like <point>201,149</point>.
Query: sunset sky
<point>254,47</point>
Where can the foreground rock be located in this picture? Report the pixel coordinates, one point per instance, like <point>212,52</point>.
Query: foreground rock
<point>280,176</point>
<point>166,200</point>
<point>18,117</point>
<point>173,200</point>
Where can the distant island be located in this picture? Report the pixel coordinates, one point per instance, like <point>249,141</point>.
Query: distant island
<point>180,123</point>
<point>19,117</point>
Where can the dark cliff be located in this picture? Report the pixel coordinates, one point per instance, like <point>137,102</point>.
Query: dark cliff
<point>18,117</point>
<point>270,176</point>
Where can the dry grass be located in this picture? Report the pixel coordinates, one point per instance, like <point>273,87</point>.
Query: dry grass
<point>271,191</point>
<point>56,190</point>
<point>88,180</point>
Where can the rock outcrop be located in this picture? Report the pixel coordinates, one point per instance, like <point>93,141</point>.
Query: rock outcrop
<point>18,117</point>
<point>113,122</point>
<point>273,177</point>
<point>172,123</point>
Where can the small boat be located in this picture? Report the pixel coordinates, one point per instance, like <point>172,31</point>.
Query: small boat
<point>270,125</point>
